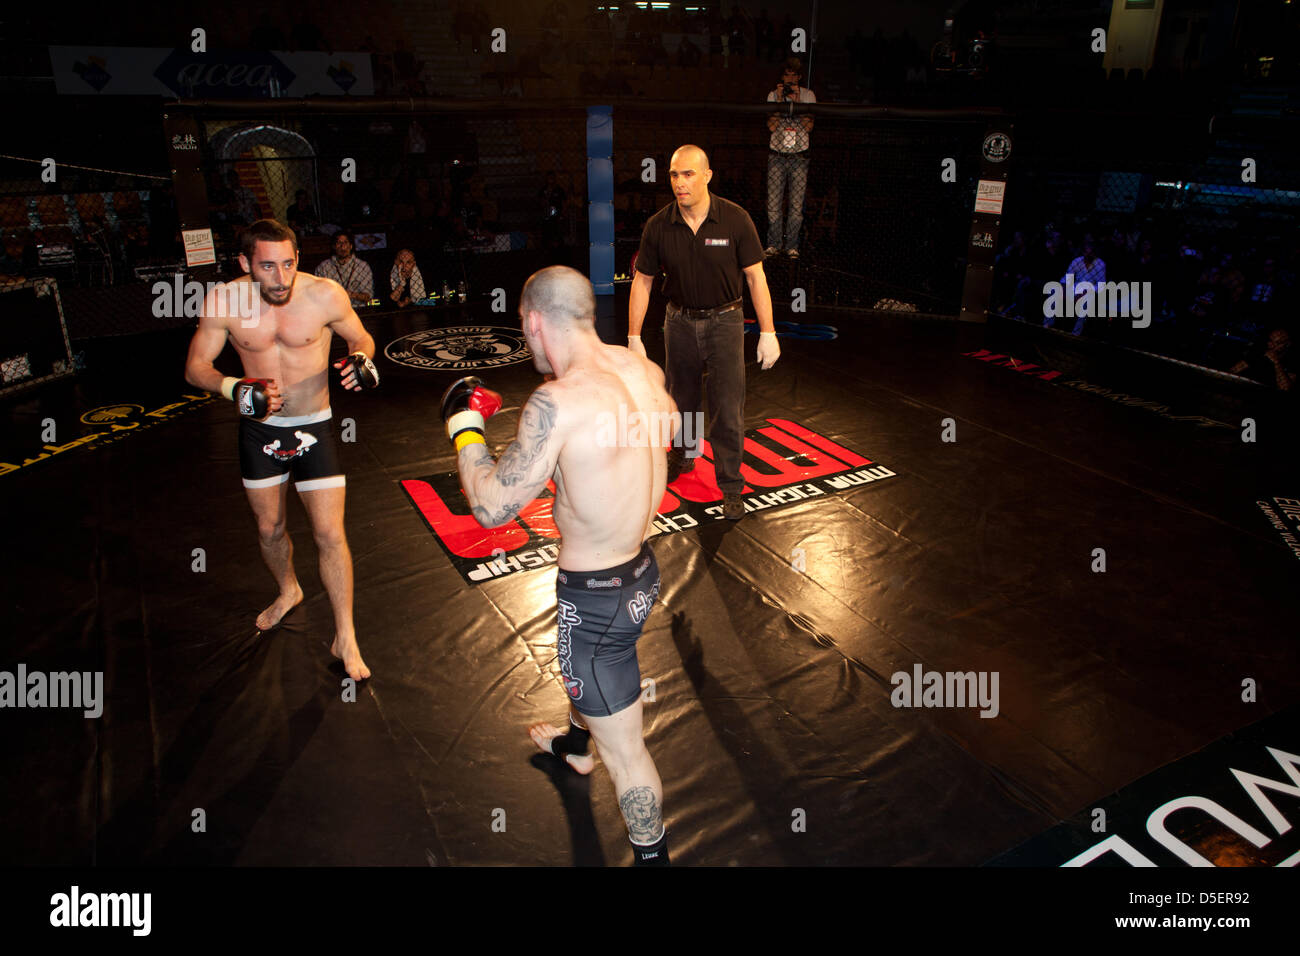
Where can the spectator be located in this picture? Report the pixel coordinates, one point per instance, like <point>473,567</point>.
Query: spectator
<point>1011,272</point>
<point>787,161</point>
<point>302,216</point>
<point>717,29</point>
<point>917,76</point>
<point>1272,362</point>
<point>417,141</point>
<point>1086,267</point>
<point>1206,307</point>
<point>1232,280</point>
<point>348,271</point>
<point>405,280</point>
<point>1262,298</point>
<point>551,198</point>
<point>244,208</point>
<point>737,26</point>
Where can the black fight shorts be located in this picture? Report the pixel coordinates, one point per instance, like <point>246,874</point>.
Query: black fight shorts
<point>271,451</point>
<point>600,616</point>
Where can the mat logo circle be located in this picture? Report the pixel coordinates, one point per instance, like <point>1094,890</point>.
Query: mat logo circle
<point>461,347</point>
<point>114,416</point>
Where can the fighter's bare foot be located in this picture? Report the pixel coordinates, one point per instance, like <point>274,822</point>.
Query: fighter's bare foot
<point>285,603</point>
<point>543,733</point>
<point>348,652</point>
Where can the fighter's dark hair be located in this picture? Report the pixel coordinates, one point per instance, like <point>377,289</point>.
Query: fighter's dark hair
<point>265,230</point>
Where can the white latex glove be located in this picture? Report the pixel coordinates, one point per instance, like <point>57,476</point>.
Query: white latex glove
<point>768,350</point>
<point>634,344</point>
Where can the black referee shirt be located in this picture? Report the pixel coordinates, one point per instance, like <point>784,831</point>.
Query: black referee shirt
<point>704,268</point>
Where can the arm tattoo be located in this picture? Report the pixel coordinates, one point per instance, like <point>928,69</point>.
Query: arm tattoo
<point>488,478</point>
<point>481,455</point>
<point>536,423</point>
<point>644,816</point>
<point>490,519</point>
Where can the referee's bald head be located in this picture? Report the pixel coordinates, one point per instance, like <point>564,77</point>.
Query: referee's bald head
<point>691,156</point>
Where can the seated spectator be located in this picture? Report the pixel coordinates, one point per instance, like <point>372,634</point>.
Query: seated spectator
<point>348,271</point>
<point>1263,296</point>
<point>1084,268</point>
<point>1232,280</point>
<point>1272,362</point>
<point>405,280</point>
<point>1207,306</point>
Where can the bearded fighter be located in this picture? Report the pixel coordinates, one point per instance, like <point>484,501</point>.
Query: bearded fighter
<point>280,322</point>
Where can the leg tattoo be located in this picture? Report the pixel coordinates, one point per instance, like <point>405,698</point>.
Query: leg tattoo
<point>644,816</point>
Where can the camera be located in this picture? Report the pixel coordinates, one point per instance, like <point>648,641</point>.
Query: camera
<point>787,89</point>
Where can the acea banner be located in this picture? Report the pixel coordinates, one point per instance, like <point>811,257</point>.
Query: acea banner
<point>163,71</point>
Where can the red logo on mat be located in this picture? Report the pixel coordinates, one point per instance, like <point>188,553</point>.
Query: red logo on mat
<point>785,464</point>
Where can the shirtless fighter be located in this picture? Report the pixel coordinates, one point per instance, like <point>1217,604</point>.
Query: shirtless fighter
<point>605,502</point>
<point>285,345</point>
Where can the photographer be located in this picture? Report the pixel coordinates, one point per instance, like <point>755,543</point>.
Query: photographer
<point>787,162</point>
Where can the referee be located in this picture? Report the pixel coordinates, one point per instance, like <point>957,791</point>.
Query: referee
<point>705,244</point>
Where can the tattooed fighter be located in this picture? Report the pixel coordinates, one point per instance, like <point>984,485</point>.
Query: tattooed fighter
<point>609,482</point>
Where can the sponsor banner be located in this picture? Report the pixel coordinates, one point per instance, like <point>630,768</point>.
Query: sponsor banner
<point>1231,804</point>
<point>460,348</point>
<point>110,423</point>
<point>1002,360</point>
<point>1284,515</point>
<point>989,196</point>
<point>162,71</point>
<point>786,463</point>
<point>199,248</point>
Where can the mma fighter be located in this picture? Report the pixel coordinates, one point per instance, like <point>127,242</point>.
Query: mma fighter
<point>606,497</point>
<point>284,346</point>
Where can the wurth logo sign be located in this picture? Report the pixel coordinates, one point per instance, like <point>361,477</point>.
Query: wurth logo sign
<point>784,463</point>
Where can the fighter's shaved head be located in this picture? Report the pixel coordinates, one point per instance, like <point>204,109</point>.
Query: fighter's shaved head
<point>561,295</point>
<point>691,156</point>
